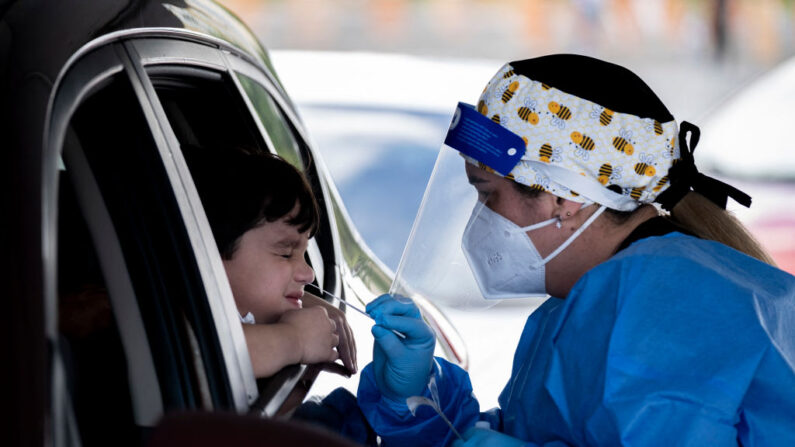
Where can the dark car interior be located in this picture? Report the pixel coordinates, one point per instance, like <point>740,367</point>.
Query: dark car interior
<point>96,368</point>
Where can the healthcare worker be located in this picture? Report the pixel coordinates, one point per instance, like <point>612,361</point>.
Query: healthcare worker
<point>667,323</point>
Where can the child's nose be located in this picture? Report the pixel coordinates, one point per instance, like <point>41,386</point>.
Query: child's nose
<point>304,273</point>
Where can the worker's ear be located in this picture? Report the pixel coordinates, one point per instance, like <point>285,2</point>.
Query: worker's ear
<point>570,212</point>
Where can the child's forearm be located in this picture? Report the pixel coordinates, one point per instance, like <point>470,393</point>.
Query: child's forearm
<point>271,347</point>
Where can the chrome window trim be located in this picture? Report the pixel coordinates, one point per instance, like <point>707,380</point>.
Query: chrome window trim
<point>219,293</point>
<point>155,51</point>
<point>165,32</point>
<point>95,68</point>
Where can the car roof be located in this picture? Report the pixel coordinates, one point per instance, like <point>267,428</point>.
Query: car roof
<point>42,35</point>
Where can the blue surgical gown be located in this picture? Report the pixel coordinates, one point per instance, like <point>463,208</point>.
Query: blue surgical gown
<point>672,341</point>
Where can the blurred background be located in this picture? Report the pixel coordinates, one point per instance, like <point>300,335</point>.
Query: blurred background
<point>376,83</point>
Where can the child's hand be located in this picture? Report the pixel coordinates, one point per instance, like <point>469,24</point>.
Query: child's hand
<point>315,333</point>
<point>347,345</point>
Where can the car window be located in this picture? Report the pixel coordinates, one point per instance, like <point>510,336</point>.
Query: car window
<point>274,122</point>
<point>203,109</point>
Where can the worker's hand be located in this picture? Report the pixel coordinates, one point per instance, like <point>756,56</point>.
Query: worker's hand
<point>315,334</point>
<point>401,366</point>
<point>347,345</point>
<point>482,437</point>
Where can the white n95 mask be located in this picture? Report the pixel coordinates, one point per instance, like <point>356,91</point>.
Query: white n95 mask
<point>503,259</point>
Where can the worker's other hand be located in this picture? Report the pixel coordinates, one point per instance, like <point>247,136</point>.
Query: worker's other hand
<point>401,366</point>
<point>482,437</point>
<point>315,334</point>
<point>347,345</point>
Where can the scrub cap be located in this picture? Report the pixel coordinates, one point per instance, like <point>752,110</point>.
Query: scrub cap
<point>595,132</point>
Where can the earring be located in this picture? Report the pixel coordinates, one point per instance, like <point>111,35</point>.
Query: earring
<point>568,213</point>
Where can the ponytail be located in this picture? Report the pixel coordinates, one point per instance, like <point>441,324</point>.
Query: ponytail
<point>707,220</point>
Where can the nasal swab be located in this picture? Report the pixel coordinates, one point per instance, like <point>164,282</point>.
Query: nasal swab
<point>399,334</point>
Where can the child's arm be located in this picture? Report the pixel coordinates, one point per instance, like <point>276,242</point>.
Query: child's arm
<point>300,336</point>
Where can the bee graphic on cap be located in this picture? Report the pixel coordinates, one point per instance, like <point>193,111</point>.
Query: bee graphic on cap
<point>608,173</point>
<point>623,142</point>
<point>508,93</point>
<point>505,120</point>
<point>541,184</point>
<point>671,147</point>
<point>654,125</point>
<point>560,114</point>
<point>549,154</point>
<point>645,166</point>
<point>635,193</point>
<point>604,115</point>
<point>584,144</point>
<point>528,111</point>
<point>583,141</point>
<point>662,182</point>
<point>509,73</point>
<point>483,108</point>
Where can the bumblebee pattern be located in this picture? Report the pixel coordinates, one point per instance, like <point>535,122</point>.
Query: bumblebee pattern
<point>527,112</point>
<point>607,146</point>
<point>508,93</point>
<point>548,154</point>
<point>604,115</point>
<point>608,174</point>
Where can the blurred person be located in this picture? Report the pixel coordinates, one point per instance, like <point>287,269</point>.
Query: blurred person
<point>262,213</point>
<point>667,324</point>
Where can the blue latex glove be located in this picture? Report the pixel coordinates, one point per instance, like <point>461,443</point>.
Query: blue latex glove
<point>477,437</point>
<point>402,366</point>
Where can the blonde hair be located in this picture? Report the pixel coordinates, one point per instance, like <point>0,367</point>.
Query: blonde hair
<point>707,220</point>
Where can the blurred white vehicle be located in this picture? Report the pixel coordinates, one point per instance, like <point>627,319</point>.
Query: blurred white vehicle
<point>747,143</point>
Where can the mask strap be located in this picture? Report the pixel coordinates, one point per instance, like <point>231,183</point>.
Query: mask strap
<point>538,225</point>
<point>572,237</point>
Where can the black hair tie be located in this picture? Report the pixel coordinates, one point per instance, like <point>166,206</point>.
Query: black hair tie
<point>684,175</point>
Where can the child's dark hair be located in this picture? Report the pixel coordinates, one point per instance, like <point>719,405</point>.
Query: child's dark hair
<point>240,191</point>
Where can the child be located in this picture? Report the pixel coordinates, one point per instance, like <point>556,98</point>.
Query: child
<point>262,213</point>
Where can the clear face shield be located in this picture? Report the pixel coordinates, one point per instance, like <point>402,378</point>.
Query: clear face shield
<point>460,253</point>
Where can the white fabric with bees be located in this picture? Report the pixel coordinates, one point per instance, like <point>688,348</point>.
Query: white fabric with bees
<point>600,146</point>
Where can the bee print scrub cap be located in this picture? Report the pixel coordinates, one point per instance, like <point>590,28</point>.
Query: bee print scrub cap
<point>595,132</point>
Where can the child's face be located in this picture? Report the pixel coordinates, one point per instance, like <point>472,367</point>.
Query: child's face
<point>267,272</point>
